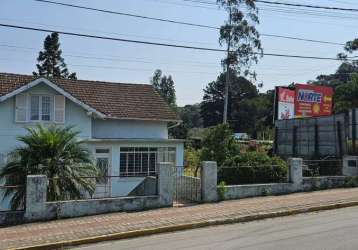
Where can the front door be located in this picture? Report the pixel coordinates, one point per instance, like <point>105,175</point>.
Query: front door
<point>103,162</point>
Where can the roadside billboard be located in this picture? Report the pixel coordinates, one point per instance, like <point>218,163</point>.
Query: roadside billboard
<point>312,101</point>
<point>285,103</point>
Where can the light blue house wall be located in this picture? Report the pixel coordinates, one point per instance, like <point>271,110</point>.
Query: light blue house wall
<point>110,129</point>
<point>124,185</point>
<point>112,134</point>
<point>9,129</point>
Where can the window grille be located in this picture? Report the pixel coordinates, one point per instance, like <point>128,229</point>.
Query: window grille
<point>142,161</point>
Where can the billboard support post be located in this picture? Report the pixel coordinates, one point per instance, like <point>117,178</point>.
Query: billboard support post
<point>316,141</point>
<point>275,141</point>
<point>339,135</point>
<point>294,141</point>
<point>354,130</point>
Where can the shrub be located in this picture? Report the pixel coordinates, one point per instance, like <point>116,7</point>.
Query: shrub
<point>192,161</point>
<point>222,189</point>
<point>252,167</point>
<point>219,144</point>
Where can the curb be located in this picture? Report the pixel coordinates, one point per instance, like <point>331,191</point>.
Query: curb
<point>167,229</point>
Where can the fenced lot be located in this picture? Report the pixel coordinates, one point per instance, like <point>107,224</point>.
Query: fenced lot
<point>240,175</point>
<point>311,137</point>
<point>327,167</point>
<point>187,186</point>
<point>174,185</point>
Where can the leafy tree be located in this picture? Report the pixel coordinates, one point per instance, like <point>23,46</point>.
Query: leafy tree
<point>190,114</point>
<point>254,115</point>
<point>242,42</point>
<point>240,35</point>
<point>346,95</point>
<point>50,61</point>
<point>342,75</point>
<point>178,132</point>
<point>191,117</point>
<point>192,160</point>
<point>219,144</point>
<point>344,81</point>
<point>241,90</point>
<point>54,152</point>
<point>165,87</point>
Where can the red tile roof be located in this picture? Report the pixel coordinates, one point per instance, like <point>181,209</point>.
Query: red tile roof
<point>115,100</point>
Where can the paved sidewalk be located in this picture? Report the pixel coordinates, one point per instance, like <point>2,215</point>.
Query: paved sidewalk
<point>92,226</point>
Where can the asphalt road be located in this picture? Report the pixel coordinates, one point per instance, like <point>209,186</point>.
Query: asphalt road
<point>335,229</point>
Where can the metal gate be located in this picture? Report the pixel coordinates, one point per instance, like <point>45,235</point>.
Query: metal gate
<point>187,186</point>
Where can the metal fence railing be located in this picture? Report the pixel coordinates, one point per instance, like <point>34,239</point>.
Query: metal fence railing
<point>187,185</point>
<point>256,174</point>
<point>104,187</point>
<point>324,167</point>
<point>6,202</point>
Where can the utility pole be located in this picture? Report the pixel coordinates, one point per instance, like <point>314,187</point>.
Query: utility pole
<point>226,94</point>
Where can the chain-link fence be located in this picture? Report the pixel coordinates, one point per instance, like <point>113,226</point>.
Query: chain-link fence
<point>325,167</point>
<point>239,175</point>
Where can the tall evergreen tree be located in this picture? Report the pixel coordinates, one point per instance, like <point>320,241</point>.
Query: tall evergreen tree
<point>248,110</point>
<point>165,87</point>
<point>50,62</point>
<point>242,41</point>
<point>211,107</point>
<point>240,36</point>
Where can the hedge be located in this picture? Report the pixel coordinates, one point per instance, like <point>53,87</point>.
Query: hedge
<point>252,167</point>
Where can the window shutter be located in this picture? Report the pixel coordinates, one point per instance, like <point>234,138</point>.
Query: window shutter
<point>59,106</point>
<point>21,108</point>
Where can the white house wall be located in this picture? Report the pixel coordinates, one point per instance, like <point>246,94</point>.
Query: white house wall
<point>124,129</point>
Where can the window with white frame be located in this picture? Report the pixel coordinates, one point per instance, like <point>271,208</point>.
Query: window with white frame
<point>40,107</point>
<point>142,161</point>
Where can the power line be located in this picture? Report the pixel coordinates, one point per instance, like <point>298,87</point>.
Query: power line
<point>307,6</point>
<point>151,70</point>
<point>157,44</point>
<point>126,14</point>
<point>291,10</point>
<point>200,64</point>
<point>81,55</point>
<point>27,22</point>
<point>284,4</point>
<point>180,22</point>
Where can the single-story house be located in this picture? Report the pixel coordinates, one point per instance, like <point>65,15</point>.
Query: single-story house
<point>124,125</point>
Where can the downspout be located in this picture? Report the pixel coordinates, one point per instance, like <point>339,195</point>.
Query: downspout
<point>176,124</point>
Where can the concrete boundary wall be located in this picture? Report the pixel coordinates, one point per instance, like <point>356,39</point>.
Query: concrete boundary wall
<point>37,207</point>
<point>245,191</point>
<point>296,183</point>
<point>318,183</point>
<point>11,218</point>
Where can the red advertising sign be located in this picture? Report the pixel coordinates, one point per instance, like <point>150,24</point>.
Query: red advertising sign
<point>313,100</point>
<point>286,103</point>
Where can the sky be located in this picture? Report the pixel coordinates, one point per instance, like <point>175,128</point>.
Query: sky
<point>192,70</point>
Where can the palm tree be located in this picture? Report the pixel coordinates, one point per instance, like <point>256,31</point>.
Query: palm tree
<point>52,151</point>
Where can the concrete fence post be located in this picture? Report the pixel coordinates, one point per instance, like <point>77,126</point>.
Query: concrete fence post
<point>166,183</point>
<point>295,170</point>
<point>209,179</point>
<point>350,165</point>
<point>36,195</point>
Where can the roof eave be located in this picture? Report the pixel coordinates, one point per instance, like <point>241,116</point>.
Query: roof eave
<point>141,119</point>
<point>56,88</point>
